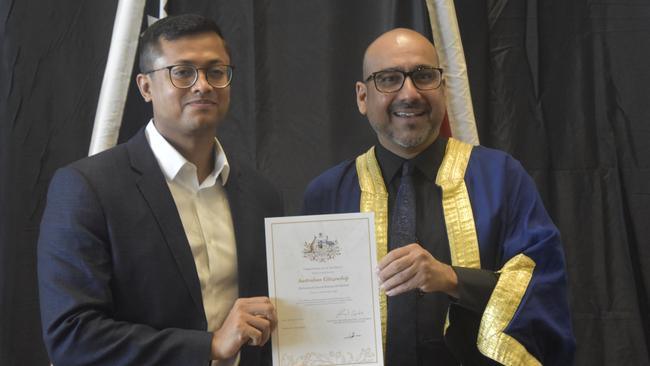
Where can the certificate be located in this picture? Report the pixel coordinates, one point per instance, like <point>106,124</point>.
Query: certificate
<point>322,281</point>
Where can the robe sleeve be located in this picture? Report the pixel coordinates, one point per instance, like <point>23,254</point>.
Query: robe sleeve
<point>475,287</point>
<point>526,320</point>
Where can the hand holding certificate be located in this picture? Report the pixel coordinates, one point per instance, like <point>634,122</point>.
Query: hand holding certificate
<point>324,288</point>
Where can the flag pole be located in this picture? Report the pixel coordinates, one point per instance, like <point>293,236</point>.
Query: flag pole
<point>446,36</point>
<point>117,75</point>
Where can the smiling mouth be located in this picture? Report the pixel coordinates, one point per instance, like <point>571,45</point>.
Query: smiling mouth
<point>201,106</point>
<point>409,114</point>
<point>202,102</point>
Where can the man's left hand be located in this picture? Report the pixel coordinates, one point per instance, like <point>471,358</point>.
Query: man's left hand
<point>412,267</point>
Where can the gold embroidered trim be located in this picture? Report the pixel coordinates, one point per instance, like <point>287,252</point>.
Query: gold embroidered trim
<point>374,198</point>
<point>506,298</point>
<point>459,218</point>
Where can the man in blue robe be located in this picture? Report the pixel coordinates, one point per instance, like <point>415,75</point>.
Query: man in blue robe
<point>483,281</point>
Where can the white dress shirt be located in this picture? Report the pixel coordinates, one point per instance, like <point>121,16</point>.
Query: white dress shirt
<point>207,221</point>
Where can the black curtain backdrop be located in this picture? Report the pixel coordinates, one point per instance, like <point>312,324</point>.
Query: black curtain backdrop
<point>561,85</point>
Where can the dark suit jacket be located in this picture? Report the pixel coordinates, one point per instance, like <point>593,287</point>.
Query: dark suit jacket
<point>117,280</point>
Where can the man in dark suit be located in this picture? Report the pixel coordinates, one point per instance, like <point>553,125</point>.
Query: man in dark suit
<point>152,253</point>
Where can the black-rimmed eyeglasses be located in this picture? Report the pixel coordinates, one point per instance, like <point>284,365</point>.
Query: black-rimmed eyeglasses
<point>184,76</point>
<point>392,80</point>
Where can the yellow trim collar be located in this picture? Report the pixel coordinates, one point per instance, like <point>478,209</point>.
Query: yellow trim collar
<point>459,217</point>
<point>374,198</point>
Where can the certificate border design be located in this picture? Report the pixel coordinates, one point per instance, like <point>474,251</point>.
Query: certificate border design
<point>366,356</point>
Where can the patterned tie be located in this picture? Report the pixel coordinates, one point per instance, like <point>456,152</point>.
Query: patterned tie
<point>401,328</point>
<point>402,227</point>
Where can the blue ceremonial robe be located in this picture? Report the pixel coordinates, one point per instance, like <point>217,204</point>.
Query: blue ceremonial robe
<point>527,318</point>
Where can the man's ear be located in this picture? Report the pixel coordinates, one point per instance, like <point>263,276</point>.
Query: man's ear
<point>144,85</point>
<point>362,95</point>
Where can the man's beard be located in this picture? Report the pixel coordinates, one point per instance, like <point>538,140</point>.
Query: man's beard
<point>407,140</point>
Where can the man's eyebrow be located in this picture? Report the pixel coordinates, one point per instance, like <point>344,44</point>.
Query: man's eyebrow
<point>391,69</point>
<point>397,68</point>
<point>216,61</point>
<point>426,66</point>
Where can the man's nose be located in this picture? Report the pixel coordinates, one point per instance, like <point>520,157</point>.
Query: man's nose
<point>201,84</point>
<point>408,91</point>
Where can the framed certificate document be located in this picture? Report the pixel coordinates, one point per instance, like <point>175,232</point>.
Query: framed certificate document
<point>322,281</point>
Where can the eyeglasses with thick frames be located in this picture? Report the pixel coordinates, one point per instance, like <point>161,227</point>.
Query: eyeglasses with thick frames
<point>392,80</point>
<point>184,76</point>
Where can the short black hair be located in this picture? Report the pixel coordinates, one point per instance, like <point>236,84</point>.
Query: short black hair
<point>172,28</point>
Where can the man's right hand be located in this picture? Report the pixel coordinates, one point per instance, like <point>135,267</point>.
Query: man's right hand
<point>250,321</point>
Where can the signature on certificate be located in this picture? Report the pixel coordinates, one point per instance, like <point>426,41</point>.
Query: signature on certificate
<point>353,335</point>
<point>349,314</point>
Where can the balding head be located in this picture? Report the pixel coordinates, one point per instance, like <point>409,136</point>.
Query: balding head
<point>406,116</point>
<point>396,41</point>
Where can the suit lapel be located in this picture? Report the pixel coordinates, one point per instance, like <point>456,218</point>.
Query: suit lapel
<point>238,200</point>
<point>153,187</point>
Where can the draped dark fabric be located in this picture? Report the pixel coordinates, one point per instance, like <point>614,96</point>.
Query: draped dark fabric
<point>567,88</point>
<point>561,85</point>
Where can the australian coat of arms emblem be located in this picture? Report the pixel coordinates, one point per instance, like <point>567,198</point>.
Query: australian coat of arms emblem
<point>321,249</point>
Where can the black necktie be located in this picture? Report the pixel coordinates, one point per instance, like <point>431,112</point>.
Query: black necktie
<point>402,226</point>
<point>401,328</point>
